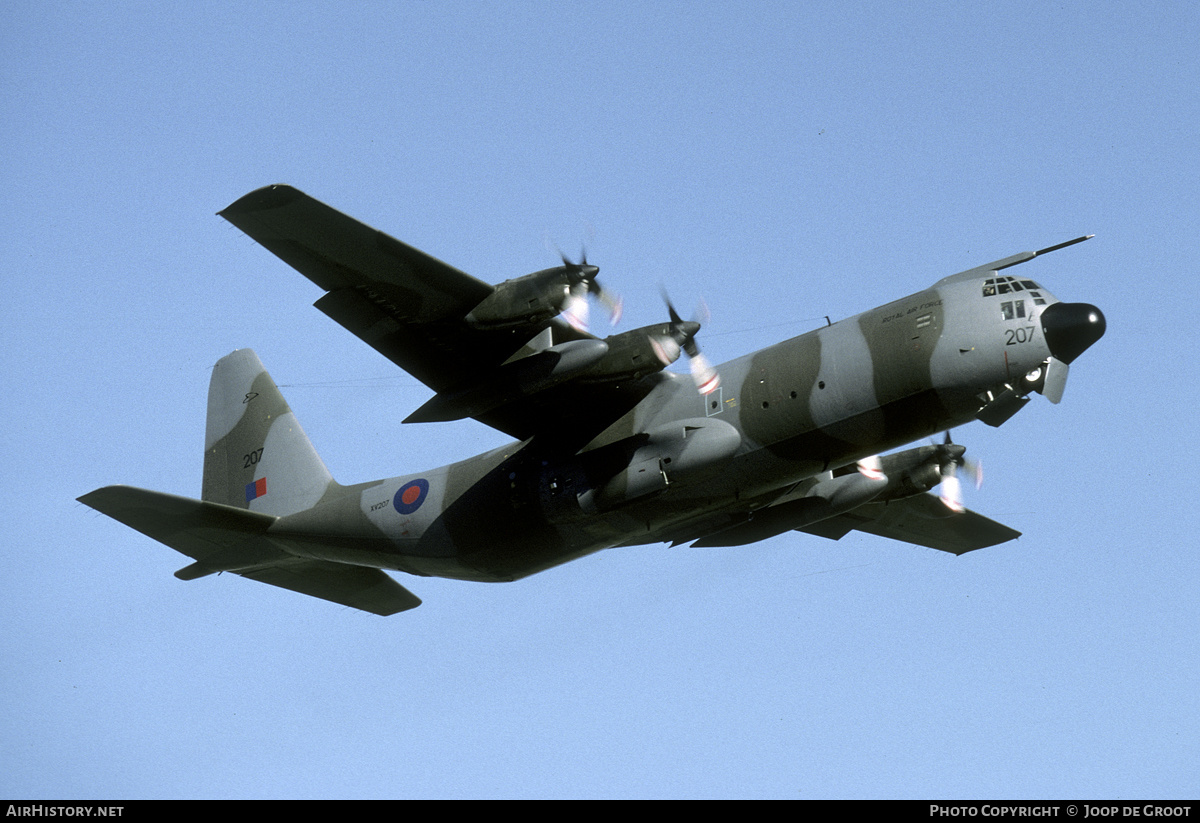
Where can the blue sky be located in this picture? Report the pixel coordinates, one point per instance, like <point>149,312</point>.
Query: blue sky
<point>782,161</point>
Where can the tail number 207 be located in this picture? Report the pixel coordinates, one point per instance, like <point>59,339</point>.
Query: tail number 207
<point>1021,334</point>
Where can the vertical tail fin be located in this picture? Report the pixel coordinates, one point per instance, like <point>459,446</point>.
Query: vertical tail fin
<point>256,456</point>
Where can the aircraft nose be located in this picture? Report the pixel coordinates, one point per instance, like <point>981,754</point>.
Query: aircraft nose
<point>1071,328</point>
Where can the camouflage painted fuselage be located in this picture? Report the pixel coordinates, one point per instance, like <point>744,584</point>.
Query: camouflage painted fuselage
<point>858,387</point>
<point>610,450</point>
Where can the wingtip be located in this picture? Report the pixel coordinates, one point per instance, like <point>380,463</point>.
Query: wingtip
<point>268,197</point>
<point>99,495</point>
<point>1058,246</point>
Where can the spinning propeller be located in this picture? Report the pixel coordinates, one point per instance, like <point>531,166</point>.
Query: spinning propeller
<point>936,465</point>
<point>950,458</point>
<point>680,336</point>
<point>871,468</point>
<point>583,283</point>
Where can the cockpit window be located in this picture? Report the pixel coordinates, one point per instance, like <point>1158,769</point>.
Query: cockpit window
<point>1012,309</point>
<point>1005,285</point>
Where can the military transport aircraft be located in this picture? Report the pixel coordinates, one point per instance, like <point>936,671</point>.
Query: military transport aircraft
<point>610,448</point>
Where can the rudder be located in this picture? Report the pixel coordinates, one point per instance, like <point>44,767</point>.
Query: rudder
<point>256,455</point>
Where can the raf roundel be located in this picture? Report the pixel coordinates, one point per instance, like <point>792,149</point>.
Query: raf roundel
<point>411,495</point>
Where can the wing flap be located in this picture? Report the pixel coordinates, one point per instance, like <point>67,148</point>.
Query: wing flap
<point>411,346</point>
<point>922,520</point>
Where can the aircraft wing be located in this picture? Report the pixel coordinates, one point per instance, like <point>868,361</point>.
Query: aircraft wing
<point>410,307</point>
<point>922,520</point>
<point>225,538</point>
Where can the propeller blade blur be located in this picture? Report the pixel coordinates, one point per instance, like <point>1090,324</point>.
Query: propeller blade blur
<point>951,495</point>
<point>706,377</point>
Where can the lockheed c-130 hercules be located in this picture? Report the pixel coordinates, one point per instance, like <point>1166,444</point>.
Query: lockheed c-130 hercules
<point>611,449</point>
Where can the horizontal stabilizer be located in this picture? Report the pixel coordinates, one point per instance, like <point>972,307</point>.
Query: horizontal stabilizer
<point>195,571</point>
<point>218,537</point>
<point>370,590</point>
<point>923,520</point>
<point>226,538</point>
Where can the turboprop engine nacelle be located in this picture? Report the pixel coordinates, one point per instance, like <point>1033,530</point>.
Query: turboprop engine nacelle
<point>533,298</point>
<point>899,475</point>
<point>911,472</point>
